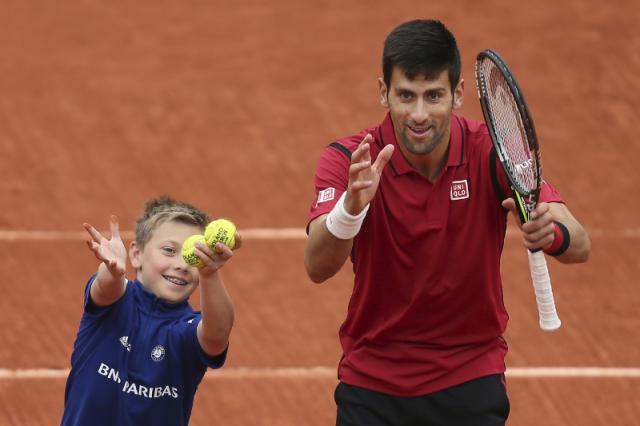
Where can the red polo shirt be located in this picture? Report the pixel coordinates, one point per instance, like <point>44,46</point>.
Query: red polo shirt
<point>426,311</point>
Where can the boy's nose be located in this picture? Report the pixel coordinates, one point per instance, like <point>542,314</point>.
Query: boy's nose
<point>180,263</point>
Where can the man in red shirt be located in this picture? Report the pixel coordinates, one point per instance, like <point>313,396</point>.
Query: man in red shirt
<point>420,205</point>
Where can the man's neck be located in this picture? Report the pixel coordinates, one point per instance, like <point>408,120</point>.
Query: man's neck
<point>428,165</point>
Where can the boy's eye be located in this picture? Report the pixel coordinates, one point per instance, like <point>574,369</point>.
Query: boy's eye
<point>169,250</point>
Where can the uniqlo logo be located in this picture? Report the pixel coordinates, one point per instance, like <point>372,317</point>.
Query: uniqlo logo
<point>459,189</point>
<point>326,195</point>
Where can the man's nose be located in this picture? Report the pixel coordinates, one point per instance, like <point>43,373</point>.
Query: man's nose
<point>420,112</point>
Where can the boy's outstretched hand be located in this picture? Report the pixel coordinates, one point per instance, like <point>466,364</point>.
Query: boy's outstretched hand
<point>111,252</point>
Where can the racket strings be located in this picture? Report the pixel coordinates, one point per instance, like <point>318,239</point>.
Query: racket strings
<point>508,127</point>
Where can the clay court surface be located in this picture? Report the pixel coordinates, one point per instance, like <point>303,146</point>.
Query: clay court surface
<point>227,106</point>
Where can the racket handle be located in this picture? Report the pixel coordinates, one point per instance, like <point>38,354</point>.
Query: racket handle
<point>547,314</point>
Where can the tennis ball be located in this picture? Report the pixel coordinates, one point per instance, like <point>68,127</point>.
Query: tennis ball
<point>188,253</point>
<point>221,230</point>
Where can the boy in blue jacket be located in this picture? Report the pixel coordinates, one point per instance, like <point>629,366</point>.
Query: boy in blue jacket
<point>141,350</point>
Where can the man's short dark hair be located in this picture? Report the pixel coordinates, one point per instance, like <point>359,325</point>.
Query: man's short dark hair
<point>421,47</point>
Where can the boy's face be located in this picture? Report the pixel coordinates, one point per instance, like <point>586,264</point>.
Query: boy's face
<point>160,266</point>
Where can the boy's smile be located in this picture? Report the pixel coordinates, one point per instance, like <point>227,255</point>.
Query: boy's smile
<point>175,280</point>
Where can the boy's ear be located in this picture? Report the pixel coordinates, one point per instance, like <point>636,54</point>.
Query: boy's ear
<point>135,254</point>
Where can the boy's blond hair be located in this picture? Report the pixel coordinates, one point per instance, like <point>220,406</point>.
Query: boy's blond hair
<point>166,209</point>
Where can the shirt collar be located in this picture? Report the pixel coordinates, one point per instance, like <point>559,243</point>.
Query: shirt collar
<point>399,164</point>
<point>152,303</point>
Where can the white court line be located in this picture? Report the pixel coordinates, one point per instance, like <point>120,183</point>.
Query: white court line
<point>259,234</point>
<point>330,373</point>
<point>249,234</point>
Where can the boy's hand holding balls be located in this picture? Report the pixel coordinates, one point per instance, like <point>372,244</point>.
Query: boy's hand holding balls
<point>221,230</point>
<point>188,250</point>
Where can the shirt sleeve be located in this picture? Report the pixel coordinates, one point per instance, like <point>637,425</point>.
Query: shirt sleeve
<point>331,180</point>
<point>93,310</point>
<point>549,194</point>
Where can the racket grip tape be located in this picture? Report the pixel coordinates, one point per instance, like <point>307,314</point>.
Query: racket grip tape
<point>547,313</point>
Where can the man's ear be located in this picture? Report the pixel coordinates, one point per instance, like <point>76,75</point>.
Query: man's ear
<point>135,254</point>
<point>383,92</point>
<point>458,94</point>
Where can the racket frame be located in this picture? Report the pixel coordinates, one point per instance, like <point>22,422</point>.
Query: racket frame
<point>526,199</point>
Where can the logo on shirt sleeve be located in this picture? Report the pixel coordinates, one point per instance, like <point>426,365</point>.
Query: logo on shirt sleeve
<point>326,195</point>
<point>124,340</point>
<point>459,189</point>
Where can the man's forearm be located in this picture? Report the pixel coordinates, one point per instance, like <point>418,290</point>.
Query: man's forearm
<point>579,243</point>
<point>579,246</point>
<point>324,253</point>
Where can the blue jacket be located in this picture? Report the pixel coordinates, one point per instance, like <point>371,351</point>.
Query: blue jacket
<point>136,362</point>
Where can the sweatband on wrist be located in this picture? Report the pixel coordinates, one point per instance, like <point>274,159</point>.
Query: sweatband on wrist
<point>342,224</point>
<point>561,240</point>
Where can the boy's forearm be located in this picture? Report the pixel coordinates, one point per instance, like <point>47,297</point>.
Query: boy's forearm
<point>106,288</point>
<point>217,315</point>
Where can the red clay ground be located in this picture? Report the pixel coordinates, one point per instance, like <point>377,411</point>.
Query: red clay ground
<point>104,105</point>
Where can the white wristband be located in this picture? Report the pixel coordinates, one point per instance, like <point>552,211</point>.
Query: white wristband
<point>342,224</point>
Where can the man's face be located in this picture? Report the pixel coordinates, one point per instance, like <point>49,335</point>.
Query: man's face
<point>420,110</point>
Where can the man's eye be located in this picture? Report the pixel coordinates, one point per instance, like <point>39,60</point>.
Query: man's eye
<point>405,96</point>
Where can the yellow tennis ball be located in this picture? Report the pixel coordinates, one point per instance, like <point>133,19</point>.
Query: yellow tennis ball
<point>221,230</point>
<point>188,250</point>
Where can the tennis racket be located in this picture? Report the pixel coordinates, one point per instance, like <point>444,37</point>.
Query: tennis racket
<point>514,138</point>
